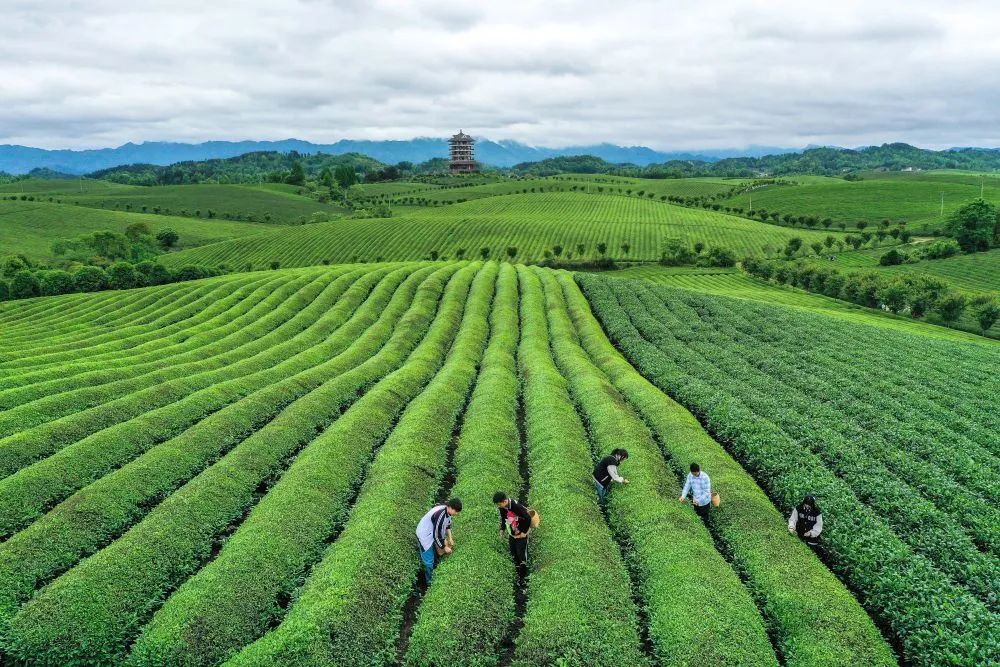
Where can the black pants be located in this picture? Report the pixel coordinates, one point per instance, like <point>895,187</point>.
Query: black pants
<point>702,510</point>
<point>519,551</point>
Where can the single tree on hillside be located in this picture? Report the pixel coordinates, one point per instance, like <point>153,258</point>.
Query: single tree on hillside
<point>484,253</point>
<point>625,248</point>
<point>580,249</point>
<point>557,250</point>
<point>602,248</point>
<point>793,246</point>
<point>986,310</point>
<point>297,176</point>
<point>951,306</point>
<point>460,253</point>
<point>345,176</point>
<point>975,226</point>
<point>817,247</point>
<point>861,224</point>
<point>511,252</point>
<point>25,285</point>
<point>167,237</point>
<point>136,231</point>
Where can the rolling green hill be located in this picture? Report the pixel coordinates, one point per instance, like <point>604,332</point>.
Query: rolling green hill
<point>901,197</point>
<point>736,284</point>
<point>31,227</point>
<point>531,223</point>
<point>175,459</point>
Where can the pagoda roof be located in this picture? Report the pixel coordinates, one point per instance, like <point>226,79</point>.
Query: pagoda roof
<point>461,136</point>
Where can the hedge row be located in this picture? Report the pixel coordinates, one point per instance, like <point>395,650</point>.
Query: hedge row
<point>667,546</point>
<point>477,582</point>
<point>935,622</point>
<point>237,597</point>
<point>230,315</point>
<point>959,479</point>
<point>63,325</point>
<point>157,313</point>
<point>46,401</point>
<point>29,492</point>
<point>26,283</point>
<point>92,613</point>
<point>580,609</point>
<point>845,452</point>
<point>813,618</point>
<point>107,507</point>
<point>350,610</point>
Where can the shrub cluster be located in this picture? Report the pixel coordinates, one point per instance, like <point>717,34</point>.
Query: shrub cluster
<point>28,282</point>
<point>914,294</point>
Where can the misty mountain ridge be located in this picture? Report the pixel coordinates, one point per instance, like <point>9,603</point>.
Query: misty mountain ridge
<point>15,159</point>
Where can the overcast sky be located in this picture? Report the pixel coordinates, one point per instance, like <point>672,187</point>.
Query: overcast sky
<point>667,74</point>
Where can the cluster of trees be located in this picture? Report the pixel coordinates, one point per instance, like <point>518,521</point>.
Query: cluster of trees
<point>104,247</point>
<point>912,294</point>
<point>675,252</point>
<point>21,279</point>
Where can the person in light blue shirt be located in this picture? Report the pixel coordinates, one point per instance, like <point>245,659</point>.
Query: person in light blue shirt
<point>699,486</point>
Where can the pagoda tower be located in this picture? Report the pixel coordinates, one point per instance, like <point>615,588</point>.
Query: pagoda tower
<point>462,159</point>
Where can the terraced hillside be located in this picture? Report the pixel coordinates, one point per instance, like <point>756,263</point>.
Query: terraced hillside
<point>905,462</point>
<point>529,223</point>
<point>732,282</point>
<point>978,272</point>
<point>230,471</point>
<point>283,205</point>
<point>911,198</point>
<point>31,227</point>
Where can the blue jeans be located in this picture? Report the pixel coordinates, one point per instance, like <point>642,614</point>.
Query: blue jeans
<point>601,490</point>
<point>428,557</point>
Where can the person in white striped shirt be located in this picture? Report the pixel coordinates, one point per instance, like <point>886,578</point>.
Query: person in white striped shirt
<point>699,486</point>
<point>434,534</point>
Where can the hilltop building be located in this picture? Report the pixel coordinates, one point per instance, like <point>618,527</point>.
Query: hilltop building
<point>462,159</point>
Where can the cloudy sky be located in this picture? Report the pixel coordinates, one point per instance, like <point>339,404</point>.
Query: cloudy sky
<point>672,74</point>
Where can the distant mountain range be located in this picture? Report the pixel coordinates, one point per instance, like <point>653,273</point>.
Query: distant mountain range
<point>22,159</point>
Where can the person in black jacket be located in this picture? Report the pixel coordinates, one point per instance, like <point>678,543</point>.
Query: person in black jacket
<point>807,521</point>
<point>606,471</point>
<point>515,521</point>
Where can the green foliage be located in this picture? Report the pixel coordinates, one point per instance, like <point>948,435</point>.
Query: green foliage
<point>24,285</point>
<point>788,413</point>
<point>90,279</point>
<point>975,226</point>
<point>986,309</point>
<point>892,258</point>
<point>666,541</point>
<point>57,282</point>
<point>814,619</point>
<point>579,603</point>
<point>122,275</point>
<point>167,238</point>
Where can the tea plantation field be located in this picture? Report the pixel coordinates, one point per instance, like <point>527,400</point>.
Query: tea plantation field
<point>900,459</point>
<point>230,471</point>
<point>913,198</point>
<point>528,223</point>
<point>31,227</point>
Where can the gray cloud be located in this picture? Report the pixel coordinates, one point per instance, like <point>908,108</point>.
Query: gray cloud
<point>671,75</point>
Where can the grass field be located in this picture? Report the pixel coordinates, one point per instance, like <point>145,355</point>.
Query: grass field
<point>31,227</point>
<point>911,198</point>
<point>531,223</point>
<point>231,470</point>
